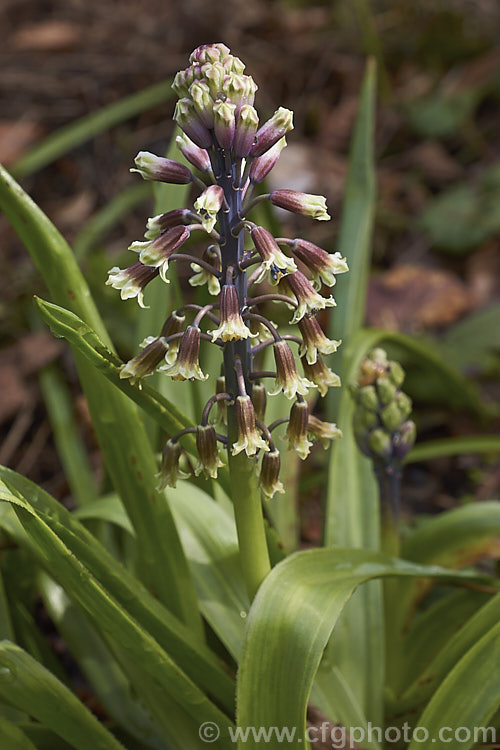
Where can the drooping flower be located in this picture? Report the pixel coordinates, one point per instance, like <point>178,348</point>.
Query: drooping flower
<point>146,362</point>
<point>186,365</point>
<point>131,281</point>
<point>232,327</point>
<point>296,432</point>
<point>202,276</point>
<point>323,266</point>
<point>288,379</point>
<point>156,225</point>
<point>208,206</point>
<point>308,299</point>
<point>321,375</point>
<point>273,259</point>
<point>208,453</point>
<point>249,439</point>
<point>323,431</point>
<point>269,474</point>
<point>170,471</point>
<point>314,340</point>
<point>156,253</point>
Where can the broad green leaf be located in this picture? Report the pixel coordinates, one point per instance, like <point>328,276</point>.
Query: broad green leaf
<point>294,614</point>
<point>13,738</point>
<point>466,699</point>
<point>25,684</point>
<point>137,652</point>
<point>469,343</point>
<point>123,441</point>
<point>108,508</point>
<point>454,447</point>
<point>472,631</point>
<point>70,136</point>
<point>105,677</point>
<point>171,634</point>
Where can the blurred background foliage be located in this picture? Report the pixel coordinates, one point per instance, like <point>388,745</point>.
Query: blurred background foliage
<point>85,85</point>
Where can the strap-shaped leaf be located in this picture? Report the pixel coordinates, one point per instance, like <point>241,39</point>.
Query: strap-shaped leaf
<point>25,684</point>
<point>294,614</point>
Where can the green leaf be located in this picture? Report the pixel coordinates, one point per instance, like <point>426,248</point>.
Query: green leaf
<point>356,228</point>
<point>473,630</point>
<point>156,676</point>
<point>294,614</point>
<point>440,114</point>
<point>454,447</point>
<point>469,343</point>
<point>70,136</point>
<point>13,738</point>
<point>171,634</point>
<point>465,700</point>
<point>123,441</point>
<point>25,684</point>
<point>108,508</point>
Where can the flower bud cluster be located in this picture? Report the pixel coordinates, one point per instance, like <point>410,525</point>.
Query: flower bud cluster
<point>381,421</point>
<point>230,152</point>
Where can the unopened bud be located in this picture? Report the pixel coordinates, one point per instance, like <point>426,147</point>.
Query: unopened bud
<point>272,130</point>
<point>208,453</point>
<point>269,474</point>
<point>301,203</point>
<point>158,168</point>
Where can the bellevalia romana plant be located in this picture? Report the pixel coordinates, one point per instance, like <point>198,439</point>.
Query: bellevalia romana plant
<point>182,643</point>
<point>223,141</point>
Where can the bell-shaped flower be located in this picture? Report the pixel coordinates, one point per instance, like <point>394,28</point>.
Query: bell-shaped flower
<point>274,259</point>
<point>131,281</point>
<point>321,375</point>
<point>156,253</point>
<point>152,167</point>
<point>323,266</point>
<point>156,225</point>
<point>269,474</point>
<point>288,379</point>
<point>296,432</point>
<point>249,439</point>
<point>208,454</point>
<point>314,340</point>
<point>323,431</point>
<point>208,205</point>
<point>308,299</point>
<point>170,471</point>
<point>301,203</point>
<point>186,365</point>
<point>232,327</point>
<point>146,362</point>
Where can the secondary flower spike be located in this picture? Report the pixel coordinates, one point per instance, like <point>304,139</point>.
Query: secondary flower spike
<point>231,148</point>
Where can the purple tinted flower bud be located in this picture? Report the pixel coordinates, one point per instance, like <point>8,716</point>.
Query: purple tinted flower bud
<point>288,379</point>
<point>158,224</point>
<point>321,375</point>
<point>249,439</point>
<point>170,471</point>
<point>404,439</point>
<point>208,454</point>
<point>203,102</point>
<point>209,53</point>
<point>152,167</point>
<point>233,64</point>
<point>213,76</point>
<point>132,281</point>
<point>269,474</point>
<point>197,156</point>
<point>186,365</point>
<point>246,127</point>
<point>146,362</point>
<point>323,265</point>
<point>308,300</point>
<point>272,130</point>
<point>208,205</point>
<point>224,123</point>
<point>239,89</point>
<point>297,429</point>
<point>182,81</point>
<point>314,340</point>
<point>186,116</point>
<point>262,165</point>
<point>157,252</point>
<point>301,203</point>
